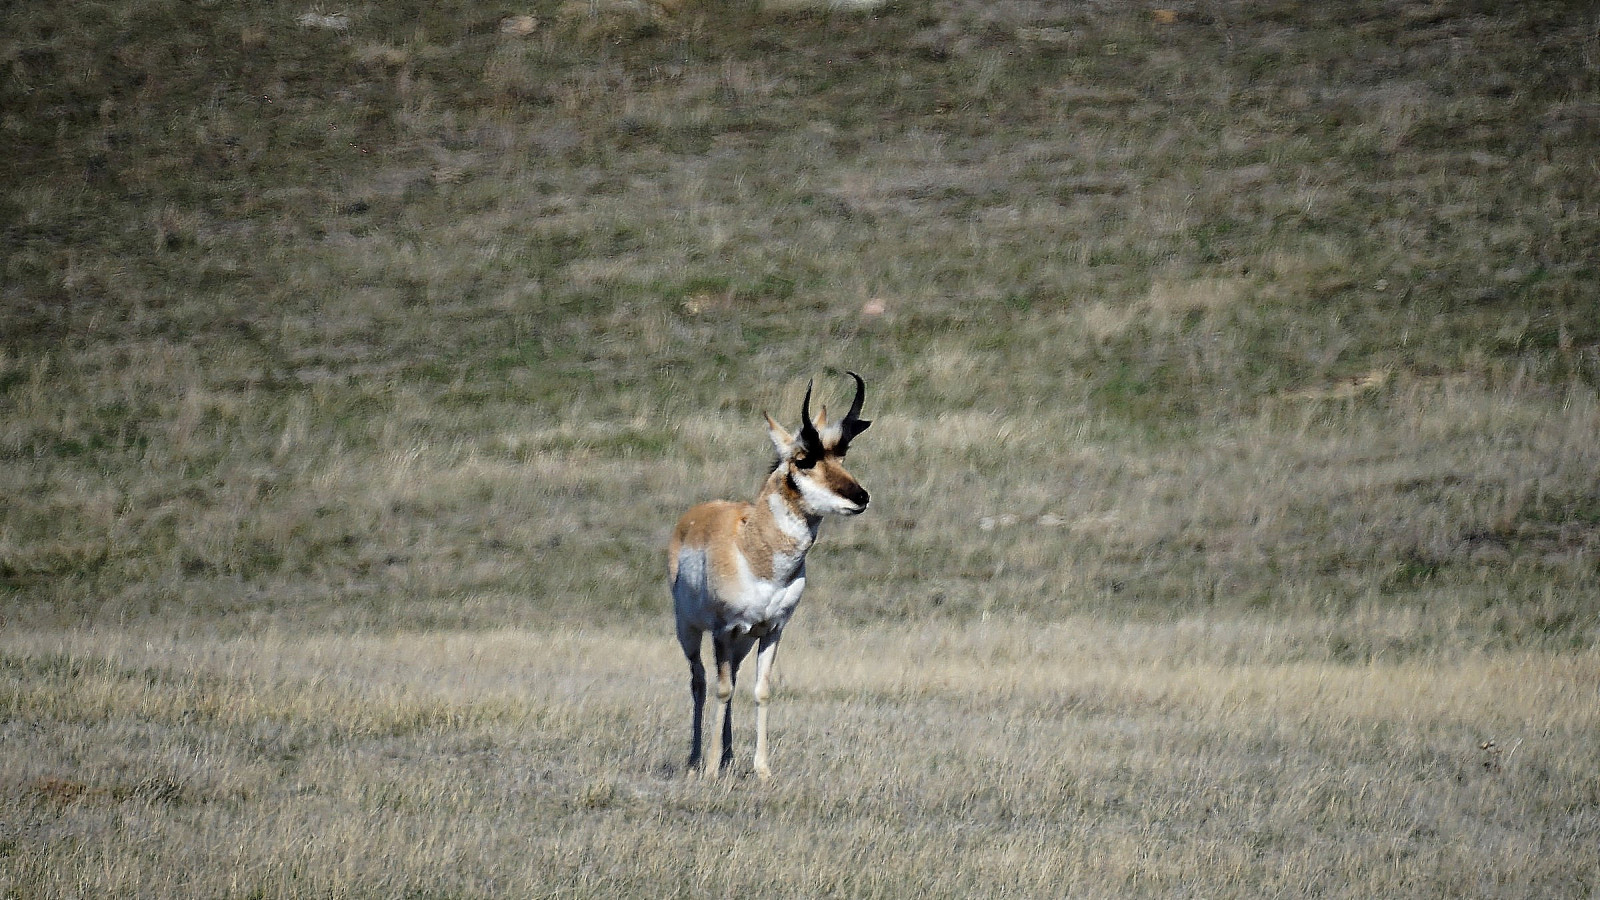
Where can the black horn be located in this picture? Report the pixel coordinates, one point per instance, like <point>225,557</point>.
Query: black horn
<point>852,424</point>
<point>808,430</point>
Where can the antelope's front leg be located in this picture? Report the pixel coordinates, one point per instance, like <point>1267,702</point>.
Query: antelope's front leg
<point>727,674</point>
<point>763,690</point>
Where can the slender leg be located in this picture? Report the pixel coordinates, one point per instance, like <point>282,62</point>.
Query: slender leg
<point>697,691</point>
<point>727,673</point>
<point>731,651</point>
<point>763,689</point>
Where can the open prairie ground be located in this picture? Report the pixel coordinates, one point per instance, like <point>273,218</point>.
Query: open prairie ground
<point>1236,466</point>
<point>1192,757</point>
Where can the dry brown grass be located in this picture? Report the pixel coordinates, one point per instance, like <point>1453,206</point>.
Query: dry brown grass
<point>1217,757</point>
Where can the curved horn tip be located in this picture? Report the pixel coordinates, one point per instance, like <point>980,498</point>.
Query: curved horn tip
<point>861,394</point>
<point>808,429</point>
<point>852,424</point>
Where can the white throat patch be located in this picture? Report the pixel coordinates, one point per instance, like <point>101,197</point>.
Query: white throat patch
<point>794,525</point>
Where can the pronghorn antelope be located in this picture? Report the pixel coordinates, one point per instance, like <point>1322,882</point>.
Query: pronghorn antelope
<point>737,569</point>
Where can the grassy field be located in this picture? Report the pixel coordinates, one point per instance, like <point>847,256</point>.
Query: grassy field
<point>1077,758</point>
<point>1236,474</point>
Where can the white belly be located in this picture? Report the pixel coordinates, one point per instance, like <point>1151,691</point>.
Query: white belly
<point>742,603</point>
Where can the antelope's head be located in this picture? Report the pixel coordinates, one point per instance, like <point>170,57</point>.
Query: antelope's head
<point>811,463</point>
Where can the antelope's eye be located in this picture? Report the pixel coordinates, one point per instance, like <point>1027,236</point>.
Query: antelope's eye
<point>804,460</point>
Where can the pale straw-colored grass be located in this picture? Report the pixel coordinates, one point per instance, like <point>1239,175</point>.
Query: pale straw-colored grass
<point>1219,756</point>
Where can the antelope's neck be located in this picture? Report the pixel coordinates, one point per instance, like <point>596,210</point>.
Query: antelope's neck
<point>779,531</point>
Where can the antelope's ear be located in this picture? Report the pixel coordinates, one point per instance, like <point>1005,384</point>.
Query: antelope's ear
<point>782,441</point>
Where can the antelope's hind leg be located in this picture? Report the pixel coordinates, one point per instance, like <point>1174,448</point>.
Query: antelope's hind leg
<point>690,640</point>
